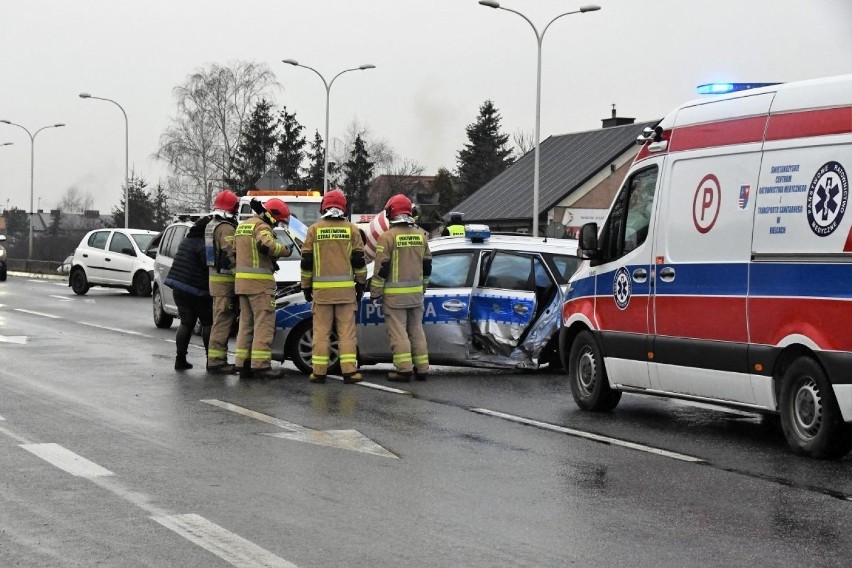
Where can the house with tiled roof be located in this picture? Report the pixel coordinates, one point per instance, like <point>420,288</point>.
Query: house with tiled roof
<point>579,174</point>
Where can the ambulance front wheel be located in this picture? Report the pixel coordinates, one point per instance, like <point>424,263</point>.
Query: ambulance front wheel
<point>810,416</point>
<point>587,375</point>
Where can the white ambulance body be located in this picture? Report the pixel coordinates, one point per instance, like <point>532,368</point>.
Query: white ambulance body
<point>723,271</point>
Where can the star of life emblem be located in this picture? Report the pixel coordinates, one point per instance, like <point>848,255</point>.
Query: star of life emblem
<point>827,197</point>
<point>621,288</point>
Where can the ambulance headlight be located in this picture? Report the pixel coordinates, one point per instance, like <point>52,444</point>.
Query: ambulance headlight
<point>477,233</point>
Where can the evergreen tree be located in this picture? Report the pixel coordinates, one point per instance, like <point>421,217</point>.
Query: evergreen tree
<point>486,153</point>
<point>142,206</point>
<point>315,172</point>
<point>17,222</point>
<point>256,152</point>
<point>162,213</point>
<point>358,172</point>
<point>444,187</point>
<point>291,153</point>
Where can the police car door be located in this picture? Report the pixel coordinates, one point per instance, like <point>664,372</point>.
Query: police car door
<point>624,279</point>
<point>446,308</point>
<point>504,303</point>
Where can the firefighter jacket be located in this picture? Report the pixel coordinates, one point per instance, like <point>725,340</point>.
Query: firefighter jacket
<point>189,267</point>
<point>403,264</point>
<point>333,262</point>
<point>256,258</point>
<point>221,255</point>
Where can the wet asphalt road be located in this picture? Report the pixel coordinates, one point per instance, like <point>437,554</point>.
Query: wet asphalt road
<point>111,458</point>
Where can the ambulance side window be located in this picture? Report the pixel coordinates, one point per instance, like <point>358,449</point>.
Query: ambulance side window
<point>630,219</point>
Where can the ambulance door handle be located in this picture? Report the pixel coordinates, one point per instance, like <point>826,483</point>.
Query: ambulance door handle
<point>453,305</point>
<point>640,275</point>
<point>667,274</point>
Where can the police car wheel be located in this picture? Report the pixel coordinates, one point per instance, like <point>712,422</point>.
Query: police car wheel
<point>810,416</point>
<point>587,375</point>
<point>161,319</point>
<point>79,282</point>
<point>301,349</point>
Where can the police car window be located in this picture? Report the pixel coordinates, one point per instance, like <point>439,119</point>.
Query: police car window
<point>98,240</point>
<point>510,272</point>
<point>451,270</point>
<point>283,237</point>
<point>119,242</point>
<point>630,218</point>
<point>566,266</point>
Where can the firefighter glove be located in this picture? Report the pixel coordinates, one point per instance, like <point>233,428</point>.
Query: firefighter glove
<point>359,292</point>
<point>309,294</point>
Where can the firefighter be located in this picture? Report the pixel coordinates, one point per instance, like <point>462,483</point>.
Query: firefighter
<point>334,274</point>
<point>455,227</point>
<point>403,264</point>
<point>257,252</point>
<point>221,259</point>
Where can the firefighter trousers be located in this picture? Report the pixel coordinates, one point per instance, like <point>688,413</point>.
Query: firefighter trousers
<point>407,339</point>
<point>224,312</point>
<point>327,318</point>
<point>257,326</point>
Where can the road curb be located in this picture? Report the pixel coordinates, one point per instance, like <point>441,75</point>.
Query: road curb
<point>34,275</point>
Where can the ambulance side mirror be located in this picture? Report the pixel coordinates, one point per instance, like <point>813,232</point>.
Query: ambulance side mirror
<point>589,241</point>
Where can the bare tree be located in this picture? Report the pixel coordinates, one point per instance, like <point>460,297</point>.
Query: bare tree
<point>213,106</point>
<point>524,142</point>
<point>75,201</point>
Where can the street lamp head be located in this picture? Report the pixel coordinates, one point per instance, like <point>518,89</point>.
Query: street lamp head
<point>290,61</point>
<point>5,122</point>
<point>589,8</point>
<point>6,143</point>
<point>85,95</point>
<point>490,3</point>
<point>367,66</point>
<point>57,125</point>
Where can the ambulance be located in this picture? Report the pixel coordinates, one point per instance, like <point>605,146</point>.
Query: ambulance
<point>723,271</point>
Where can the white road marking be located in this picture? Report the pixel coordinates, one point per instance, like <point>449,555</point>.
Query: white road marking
<point>19,339</point>
<point>228,546</point>
<point>66,460</point>
<point>42,314</point>
<point>1,419</point>
<point>345,439</point>
<point>58,297</point>
<point>375,386</point>
<point>119,330</point>
<point>589,436</point>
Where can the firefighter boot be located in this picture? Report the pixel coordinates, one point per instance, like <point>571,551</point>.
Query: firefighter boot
<point>397,377</point>
<point>246,372</point>
<point>319,379</point>
<point>181,364</point>
<point>269,373</point>
<point>351,378</point>
<point>226,369</point>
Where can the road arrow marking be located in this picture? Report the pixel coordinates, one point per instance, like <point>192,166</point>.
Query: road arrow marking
<point>19,339</point>
<point>344,439</point>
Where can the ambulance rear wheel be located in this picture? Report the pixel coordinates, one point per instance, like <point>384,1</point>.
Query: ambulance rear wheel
<point>810,416</point>
<point>301,349</point>
<point>587,375</point>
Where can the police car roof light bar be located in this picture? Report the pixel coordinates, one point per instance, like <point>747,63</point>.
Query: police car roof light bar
<point>477,233</point>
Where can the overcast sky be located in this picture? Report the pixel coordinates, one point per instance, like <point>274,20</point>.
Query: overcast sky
<point>436,62</point>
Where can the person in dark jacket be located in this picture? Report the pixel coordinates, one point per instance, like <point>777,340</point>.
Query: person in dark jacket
<point>188,277</point>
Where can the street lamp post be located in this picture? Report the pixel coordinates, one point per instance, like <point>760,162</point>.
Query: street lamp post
<point>126,155</point>
<point>539,38</point>
<point>32,136</point>
<point>7,199</point>
<point>328,85</point>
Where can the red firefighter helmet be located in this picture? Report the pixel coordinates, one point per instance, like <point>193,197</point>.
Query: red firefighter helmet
<point>226,200</point>
<point>278,210</point>
<point>334,198</point>
<point>398,205</point>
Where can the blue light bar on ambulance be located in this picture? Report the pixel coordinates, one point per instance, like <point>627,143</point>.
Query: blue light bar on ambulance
<point>477,233</point>
<point>722,88</point>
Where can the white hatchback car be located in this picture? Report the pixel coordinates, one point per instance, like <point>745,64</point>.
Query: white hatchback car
<point>113,258</point>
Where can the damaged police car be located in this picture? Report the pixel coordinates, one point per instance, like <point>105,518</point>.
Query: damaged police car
<point>492,301</point>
